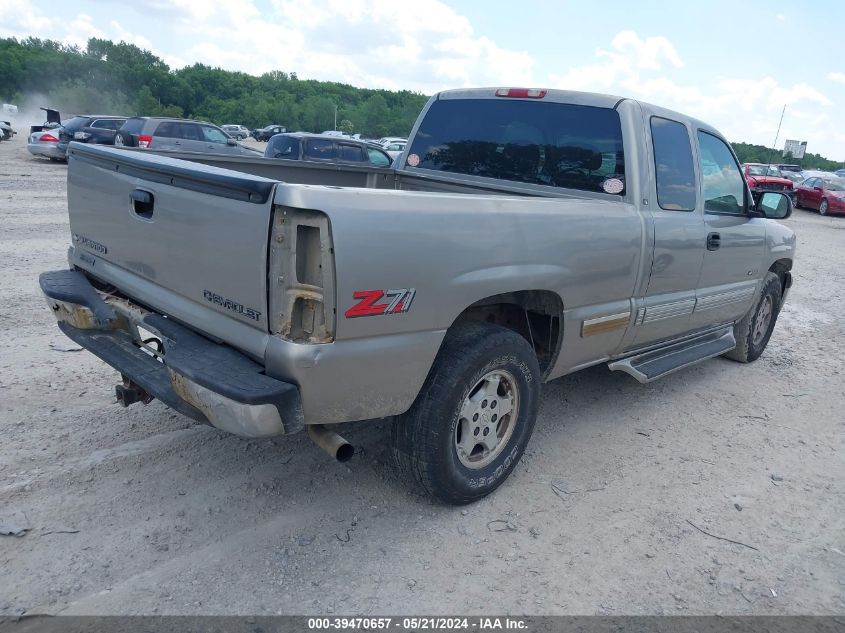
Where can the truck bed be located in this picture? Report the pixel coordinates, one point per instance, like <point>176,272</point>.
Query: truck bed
<point>364,176</point>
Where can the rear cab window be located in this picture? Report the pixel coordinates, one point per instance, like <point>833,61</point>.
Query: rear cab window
<point>541,143</point>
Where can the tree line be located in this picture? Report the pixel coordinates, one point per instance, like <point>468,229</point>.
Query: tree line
<point>120,78</point>
<point>748,153</point>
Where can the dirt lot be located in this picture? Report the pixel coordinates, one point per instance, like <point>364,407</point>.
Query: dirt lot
<point>139,511</point>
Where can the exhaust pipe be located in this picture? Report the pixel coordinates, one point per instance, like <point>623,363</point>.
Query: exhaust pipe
<point>331,442</point>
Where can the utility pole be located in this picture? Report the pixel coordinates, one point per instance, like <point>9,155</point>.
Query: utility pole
<point>777,134</point>
<point>335,117</point>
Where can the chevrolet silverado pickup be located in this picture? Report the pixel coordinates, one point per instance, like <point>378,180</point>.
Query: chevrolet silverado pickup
<point>523,234</point>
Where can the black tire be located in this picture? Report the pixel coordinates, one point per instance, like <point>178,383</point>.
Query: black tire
<point>751,341</point>
<point>424,439</point>
<point>823,207</point>
<point>122,141</point>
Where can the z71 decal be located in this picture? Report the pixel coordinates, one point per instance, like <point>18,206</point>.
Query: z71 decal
<point>374,302</point>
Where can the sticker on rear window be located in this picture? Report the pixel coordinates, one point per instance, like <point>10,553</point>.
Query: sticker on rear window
<point>413,160</point>
<point>613,185</point>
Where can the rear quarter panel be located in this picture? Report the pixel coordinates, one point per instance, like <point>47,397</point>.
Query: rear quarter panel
<point>455,250</point>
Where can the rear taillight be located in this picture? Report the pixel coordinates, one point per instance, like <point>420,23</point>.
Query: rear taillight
<point>48,138</point>
<point>521,93</point>
<point>145,140</point>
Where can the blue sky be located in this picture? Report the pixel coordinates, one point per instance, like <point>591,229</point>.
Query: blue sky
<point>735,65</point>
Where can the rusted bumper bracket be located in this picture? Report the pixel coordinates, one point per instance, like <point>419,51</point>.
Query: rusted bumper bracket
<point>201,379</point>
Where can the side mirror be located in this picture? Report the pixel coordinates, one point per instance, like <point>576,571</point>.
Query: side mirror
<point>231,141</point>
<point>774,205</point>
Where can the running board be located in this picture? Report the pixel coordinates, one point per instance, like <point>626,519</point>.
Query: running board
<point>657,363</point>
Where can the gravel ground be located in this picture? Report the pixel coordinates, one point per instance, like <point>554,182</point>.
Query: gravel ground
<point>139,511</point>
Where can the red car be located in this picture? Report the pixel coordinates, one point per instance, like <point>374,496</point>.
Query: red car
<point>765,178</point>
<point>825,194</point>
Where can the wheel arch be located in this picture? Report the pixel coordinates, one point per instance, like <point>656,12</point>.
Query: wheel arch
<point>536,315</point>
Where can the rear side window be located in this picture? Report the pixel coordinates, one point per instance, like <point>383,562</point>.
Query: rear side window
<point>168,129</point>
<point>351,153</point>
<point>320,149</point>
<point>133,126</point>
<point>542,143</point>
<point>76,123</point>
<point>673,166</point>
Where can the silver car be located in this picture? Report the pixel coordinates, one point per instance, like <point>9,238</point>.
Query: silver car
<point>46,143</point>
<point>238,132</point>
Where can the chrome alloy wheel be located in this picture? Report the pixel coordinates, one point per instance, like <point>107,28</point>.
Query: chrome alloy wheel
<point>761,322</point>
<point>487,419</point>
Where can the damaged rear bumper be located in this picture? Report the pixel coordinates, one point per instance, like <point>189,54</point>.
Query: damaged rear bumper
<point>201,379</point>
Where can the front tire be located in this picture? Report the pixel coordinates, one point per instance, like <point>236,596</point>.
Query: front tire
<point>823,207</point>
<point>120,140</point>
<point>474,415</point>
<point>754,330</point>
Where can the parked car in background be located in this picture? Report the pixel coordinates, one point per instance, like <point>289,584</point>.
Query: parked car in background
<point>762,178</point>
<point>88,128</point>
<point>6,131</point>
<point>265,133</point>
<point>236,131</point>
<point>387,140</point>
<point>394,149</point>
<point>825,194</point>
<point>181,135</point>
<point>840,173</point>
<point>45,143</point>
<point>319,147</point>
<point>795,176</point>
<point>54,120</point>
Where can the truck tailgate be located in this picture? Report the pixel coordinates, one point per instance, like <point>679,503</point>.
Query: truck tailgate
<point>193,231</point>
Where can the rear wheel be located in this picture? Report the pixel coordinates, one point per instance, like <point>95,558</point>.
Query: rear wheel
<point>823,208</point>
<point>753,332</point>
<point>120,140</point>
<point>473,418</point>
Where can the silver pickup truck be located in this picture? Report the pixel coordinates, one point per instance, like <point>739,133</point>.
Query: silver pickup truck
<point>522,235</point>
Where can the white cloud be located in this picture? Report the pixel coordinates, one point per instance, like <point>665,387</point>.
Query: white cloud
<point>424,46</point>
<point>781,17</point>
<point>837,77</point>
<point>743,109</point>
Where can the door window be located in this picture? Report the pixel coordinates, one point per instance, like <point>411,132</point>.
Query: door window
<point>320,149</point>
<point>673,166</point>
<point>213,135</point>
<point>377,157</point>
<point>189,131</point>
<point>722,182</point>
